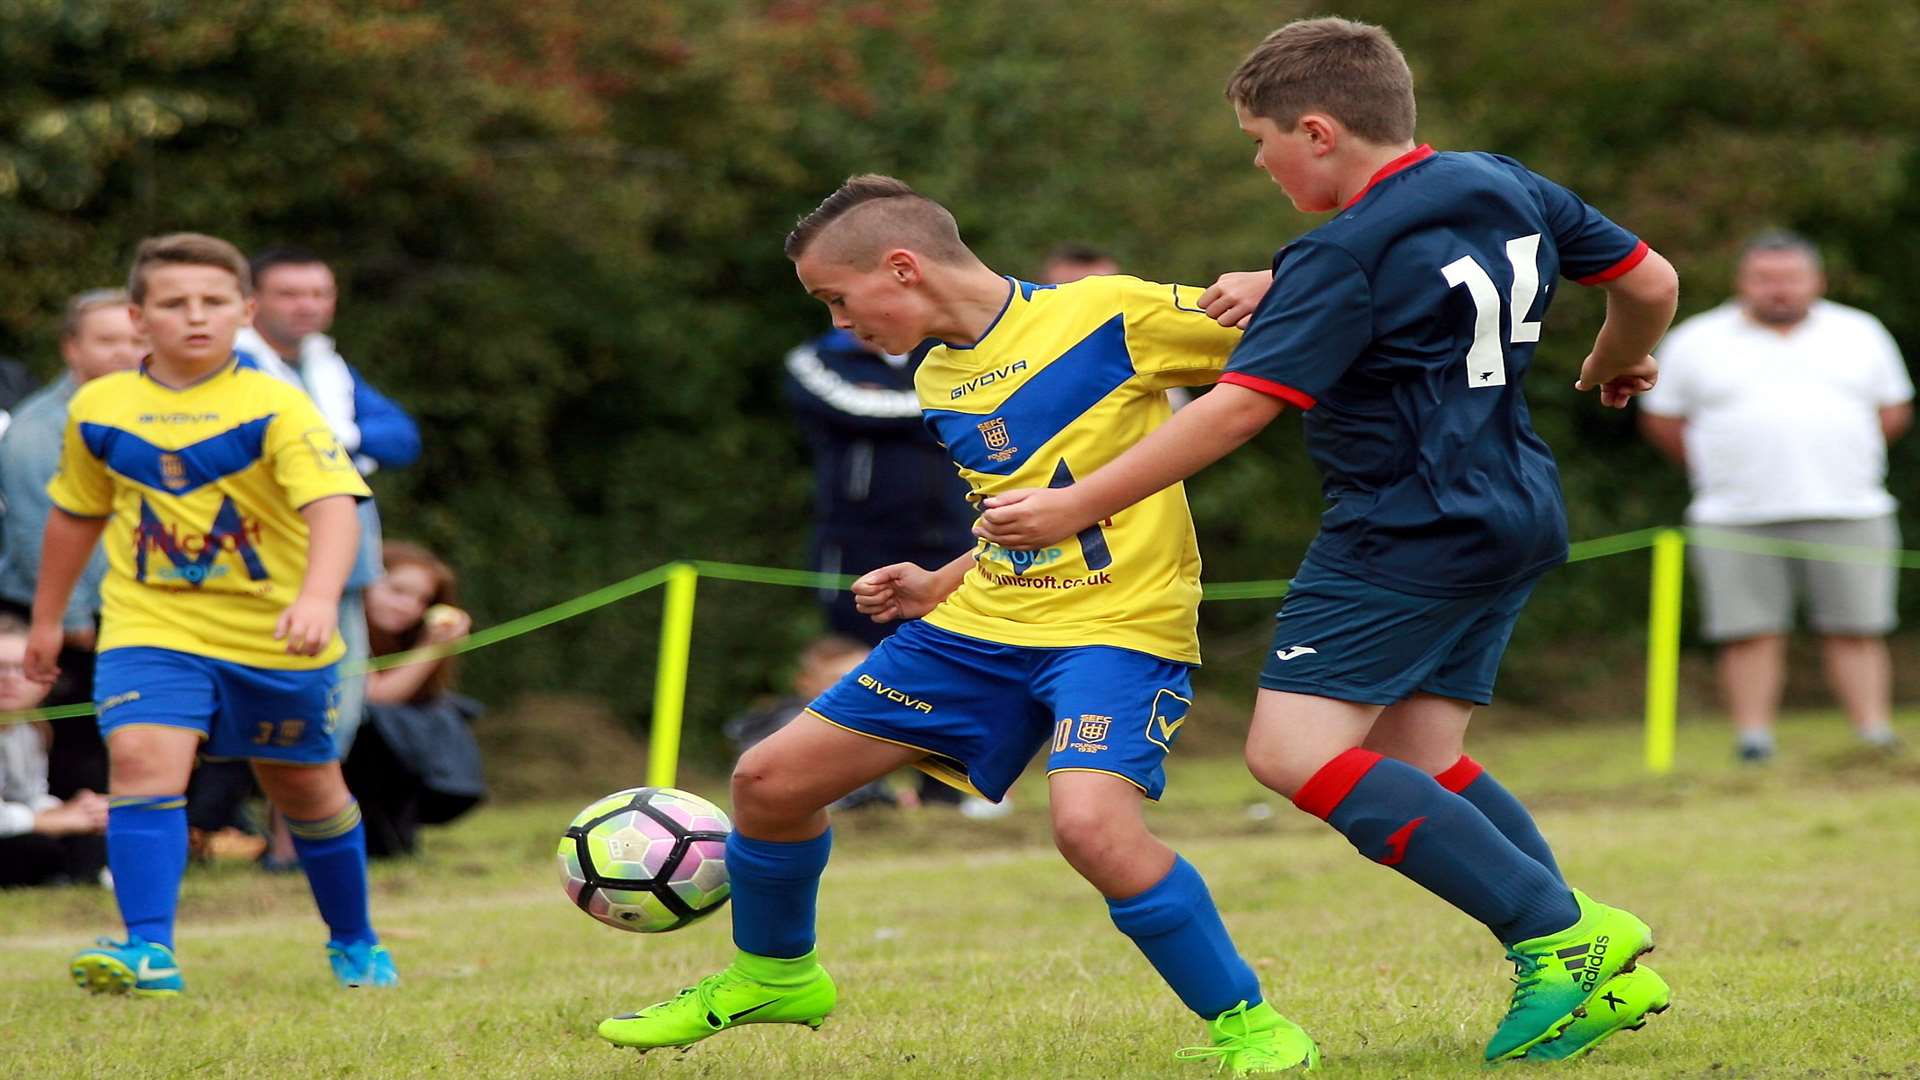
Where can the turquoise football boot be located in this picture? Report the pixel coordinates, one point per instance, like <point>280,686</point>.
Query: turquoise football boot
<point>362,964</point>
<point>135,966</point>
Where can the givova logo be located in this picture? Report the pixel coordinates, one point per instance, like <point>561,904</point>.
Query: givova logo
<point>898,697</point>
<point>1168,716</point>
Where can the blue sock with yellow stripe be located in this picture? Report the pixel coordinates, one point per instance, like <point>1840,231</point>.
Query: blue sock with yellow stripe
<point>1176,925</point>
<point>147,852</point>
<point>333,852</point>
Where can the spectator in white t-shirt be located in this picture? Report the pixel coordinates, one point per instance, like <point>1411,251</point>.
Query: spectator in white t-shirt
<point>1780,406</point>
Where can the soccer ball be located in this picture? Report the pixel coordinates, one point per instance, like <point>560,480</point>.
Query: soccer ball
<point>647,859</point>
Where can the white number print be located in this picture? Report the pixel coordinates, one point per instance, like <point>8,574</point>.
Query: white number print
<point>1486,358</point>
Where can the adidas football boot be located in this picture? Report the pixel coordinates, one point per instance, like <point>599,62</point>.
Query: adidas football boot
<point>1623,1003</point>
<point>1556,974</point>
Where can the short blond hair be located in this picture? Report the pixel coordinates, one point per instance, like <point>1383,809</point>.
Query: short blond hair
<point>186,249</point>
<point>84,304</point>
<point>871,214</point>
<point>1350,70</point>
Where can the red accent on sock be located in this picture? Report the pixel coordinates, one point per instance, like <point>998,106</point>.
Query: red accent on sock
<point>1327,789</point>
<point>1397,843</point>
<point>1459,774</point>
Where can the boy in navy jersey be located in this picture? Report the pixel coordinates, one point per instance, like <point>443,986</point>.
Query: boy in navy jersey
<point>1404,328</point>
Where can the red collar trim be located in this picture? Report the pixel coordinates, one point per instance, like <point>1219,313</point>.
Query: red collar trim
<point>1405,161</point>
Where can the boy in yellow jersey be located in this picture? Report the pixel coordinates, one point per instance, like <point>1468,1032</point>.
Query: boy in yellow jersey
<point>228,511</point>
<point>1083,648</point>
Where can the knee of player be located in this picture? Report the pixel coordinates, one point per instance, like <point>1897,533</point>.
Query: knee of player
<point>1282,772</point>
<point>762,788</point>
<point>1084,833</point>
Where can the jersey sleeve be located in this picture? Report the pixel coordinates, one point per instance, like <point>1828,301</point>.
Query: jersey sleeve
<point>1593,250</point>
<point>1892,384</point>
<point>81,485</point>
<point>308,461</point>
<point>1171,338</point>
<point>1314,323</point>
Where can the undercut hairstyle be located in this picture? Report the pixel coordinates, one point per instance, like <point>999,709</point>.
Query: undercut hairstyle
<point>1781,240</point>
<point>186,249</point>
<point>285,255</point>
<point>1352,71</point>
<point>86,303</point>
<point>872,214</point>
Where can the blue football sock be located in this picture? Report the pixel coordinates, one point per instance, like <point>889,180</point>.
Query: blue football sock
<point>775,888</point>
<point>147,851</point>
<point>1399,816</point>
<point>1468,779</point>
<point>1176,925</point>
<point>333,852</point>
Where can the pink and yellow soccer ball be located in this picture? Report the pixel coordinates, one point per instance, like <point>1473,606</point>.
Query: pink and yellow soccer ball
<point>647,859</point>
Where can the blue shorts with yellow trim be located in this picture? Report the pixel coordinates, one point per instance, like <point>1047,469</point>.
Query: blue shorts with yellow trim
<point>240,711</point>
<point>1343,638</point>
<point>981,709</point>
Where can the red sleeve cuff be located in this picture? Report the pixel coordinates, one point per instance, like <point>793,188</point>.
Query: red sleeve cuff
<point>1633,259</point>
<point>1270,388</point>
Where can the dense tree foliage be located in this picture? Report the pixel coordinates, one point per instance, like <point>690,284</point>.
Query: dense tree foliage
<point>558,229</point>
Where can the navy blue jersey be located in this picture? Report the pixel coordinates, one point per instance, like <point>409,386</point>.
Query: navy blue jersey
<point>1405,327</point>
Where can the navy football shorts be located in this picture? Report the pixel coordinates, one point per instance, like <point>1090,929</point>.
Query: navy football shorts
<point>1343,638</point>
<point>981,709</point>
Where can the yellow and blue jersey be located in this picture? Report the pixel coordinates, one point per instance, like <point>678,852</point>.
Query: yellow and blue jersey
<point>1066,379</point>
<point>202,487</point>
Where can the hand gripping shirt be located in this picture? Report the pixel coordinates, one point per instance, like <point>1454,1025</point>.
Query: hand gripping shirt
<point>1067,378</point>
<point>202,487</point>
<point>1405,327</point>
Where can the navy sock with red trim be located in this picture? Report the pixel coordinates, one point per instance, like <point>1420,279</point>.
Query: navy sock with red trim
<point>1399,816</point>
<point>1468,779</point>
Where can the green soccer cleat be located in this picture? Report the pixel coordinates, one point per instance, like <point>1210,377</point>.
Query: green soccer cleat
<point>1623,1003</point>
<point>1255,1040</point>
<point>1556,974</point>
<point>135,966</point>
<point>751,990</point>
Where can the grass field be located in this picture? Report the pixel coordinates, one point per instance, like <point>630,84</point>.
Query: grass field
<point>1786,901</point>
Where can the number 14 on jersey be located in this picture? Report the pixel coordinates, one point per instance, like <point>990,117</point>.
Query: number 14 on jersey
<point>1487,358</point>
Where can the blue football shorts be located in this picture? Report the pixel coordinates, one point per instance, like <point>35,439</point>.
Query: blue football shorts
<point>981,709</point>
<point>1343,638</point>
<point>269,714</point>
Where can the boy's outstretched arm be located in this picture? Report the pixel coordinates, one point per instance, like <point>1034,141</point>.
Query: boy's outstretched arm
<point>1640,307</point>
<point>1197,436</point>
<point>65,547</point>
<point>333,534</point>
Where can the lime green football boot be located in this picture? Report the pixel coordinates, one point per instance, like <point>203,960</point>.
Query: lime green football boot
<point>1556,974</point>
<point>1623,1003</point>
<point>751,990</point>
<point>1255,1040</point>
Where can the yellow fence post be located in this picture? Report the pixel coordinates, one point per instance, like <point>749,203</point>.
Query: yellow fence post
<point>670,681</point>
<point>1663,647</point>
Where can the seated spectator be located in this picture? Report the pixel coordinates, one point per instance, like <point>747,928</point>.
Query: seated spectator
<point>43,840</point>
<point>822,663</point>
<point>415,761</point>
